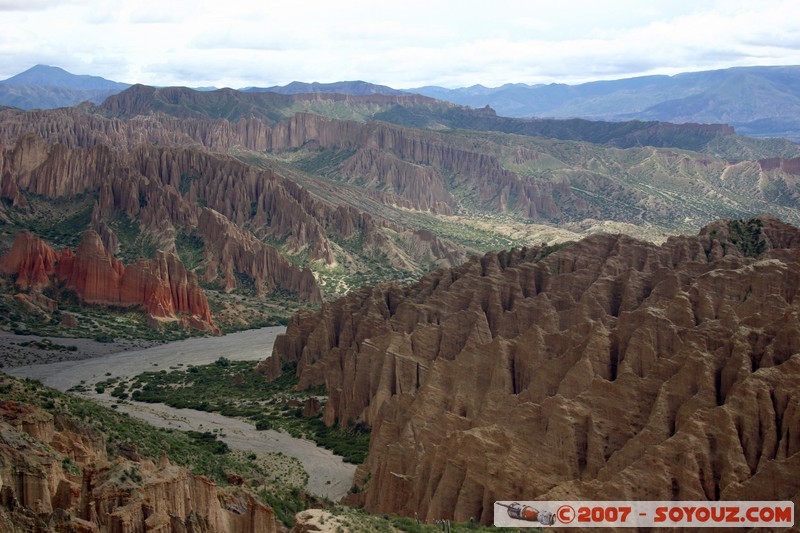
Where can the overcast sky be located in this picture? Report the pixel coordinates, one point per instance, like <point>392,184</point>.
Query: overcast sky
<point>403,44</point>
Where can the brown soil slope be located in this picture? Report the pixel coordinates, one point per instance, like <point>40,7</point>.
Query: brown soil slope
<point>610,369</point>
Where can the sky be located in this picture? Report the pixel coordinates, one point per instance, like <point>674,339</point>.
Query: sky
<point>403,44</point>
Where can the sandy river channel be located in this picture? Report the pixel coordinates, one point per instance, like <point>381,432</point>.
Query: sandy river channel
<point>328,475</point>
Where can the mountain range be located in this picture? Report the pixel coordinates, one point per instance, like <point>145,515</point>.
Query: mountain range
<point>511,305</point>
<point>302,198</point>
<point>760,101</point>
<point>358,88</point>
<point>757,101</point>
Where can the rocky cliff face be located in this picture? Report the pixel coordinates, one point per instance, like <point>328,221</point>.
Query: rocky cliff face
<point>232,105</point>
<point>31,260</point>
<point>610,369</point>
<point>414,186</point>
<point>161,172</point>
<point>161,287</point>
<point>147,186</point>
<point>411,164</point>
<point>56,476</point>
<point>522,176</point>
<point>493,184</point>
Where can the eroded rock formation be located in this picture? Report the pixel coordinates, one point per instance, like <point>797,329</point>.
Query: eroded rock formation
<point>146,187</point>
<point>32,260</point>
<point>161,287</point>
<point>609,369</point>
<point>414,186</point>
<point>424,169</point>
<point>55,475</point>
<point>412,164</point>
<point>232,207</point>
<point>480,171</point>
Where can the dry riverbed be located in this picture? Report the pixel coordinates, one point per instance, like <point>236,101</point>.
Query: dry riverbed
<point>328,475</point>
<point>25,350</point>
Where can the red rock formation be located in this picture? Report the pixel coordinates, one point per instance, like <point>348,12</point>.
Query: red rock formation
<point>91,271</point>
<point>165,286</point>
<point>161,287</point>
<point>42,491</point>
<point>610,369</point>
<point>791,166</point>
<point>31,260</point>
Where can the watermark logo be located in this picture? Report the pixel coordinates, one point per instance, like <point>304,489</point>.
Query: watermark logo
<point>517,511</point>
<point>643,514</point>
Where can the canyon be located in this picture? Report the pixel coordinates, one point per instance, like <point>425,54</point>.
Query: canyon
<point>564,368</point>
<point>55,171</point>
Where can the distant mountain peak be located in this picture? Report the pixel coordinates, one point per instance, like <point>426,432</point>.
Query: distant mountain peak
<point>46,87</point>
<point>50,76</point>
<point>45,69</point>
<point>353,87</point>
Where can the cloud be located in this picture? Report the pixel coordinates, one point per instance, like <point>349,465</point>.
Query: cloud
<point>156,17</point>
<point>244,38</point>
<point>29,5</point>
<point>421,42</point>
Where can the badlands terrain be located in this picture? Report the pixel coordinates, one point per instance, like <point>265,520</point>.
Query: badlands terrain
<point>511,308</point>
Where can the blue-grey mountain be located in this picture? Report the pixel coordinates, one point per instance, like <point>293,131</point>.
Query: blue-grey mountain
<point>759,101</point>
<point>46,87</point>
<point>357,88</point>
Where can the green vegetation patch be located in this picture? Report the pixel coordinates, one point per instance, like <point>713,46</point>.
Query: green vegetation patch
<point>186,184</point>
<point>326,163</point>
<point>235,389</point>
<point>99,322</point>
<point>236,311</point>
<point>134,243</point>
<point>190,249</point>
<point>47,344</point>
<point>60,222</point>
<point>747,236</point>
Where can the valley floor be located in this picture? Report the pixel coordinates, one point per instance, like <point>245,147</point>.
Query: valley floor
<point>24,350</point>
<point>328,475</point>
